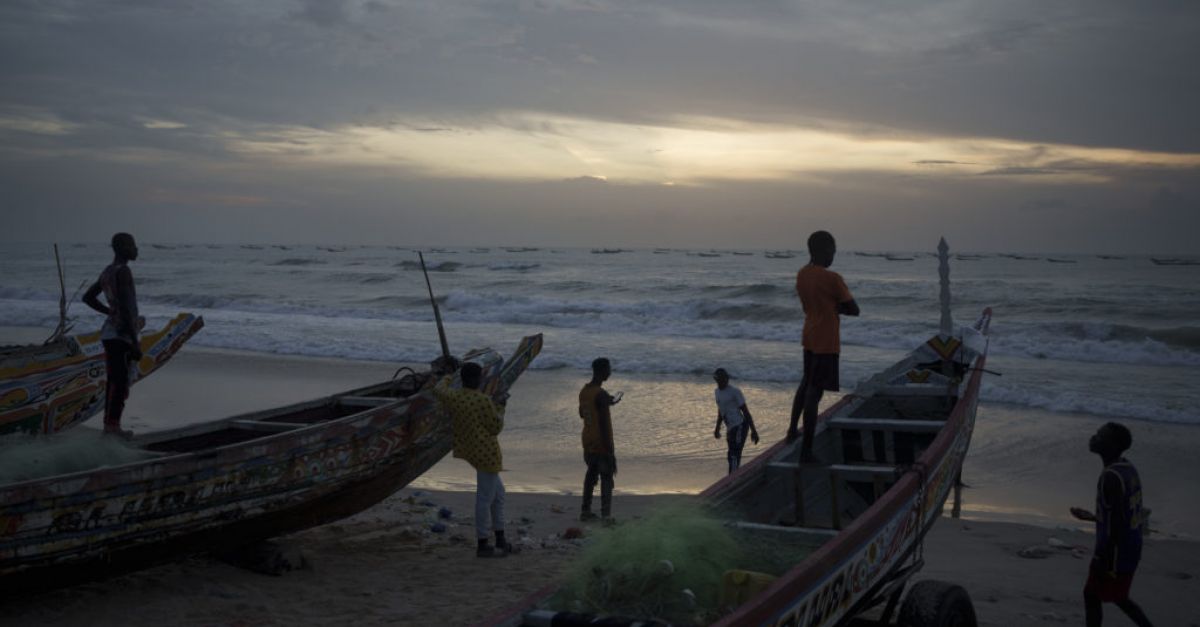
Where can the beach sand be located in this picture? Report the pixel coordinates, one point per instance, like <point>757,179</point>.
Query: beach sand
<point>384,566</point>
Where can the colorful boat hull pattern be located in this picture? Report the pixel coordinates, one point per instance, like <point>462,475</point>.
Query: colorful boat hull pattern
<point>45,395</point>
<point>70,528</point>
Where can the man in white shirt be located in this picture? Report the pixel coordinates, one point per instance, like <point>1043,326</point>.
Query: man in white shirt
<point>732,410</point>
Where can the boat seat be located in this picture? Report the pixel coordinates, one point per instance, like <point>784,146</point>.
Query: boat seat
<point>807,535</point>
<point>877,475</point>
<point>886,424</point>
<point>365,401</point>
<point>267,426</point>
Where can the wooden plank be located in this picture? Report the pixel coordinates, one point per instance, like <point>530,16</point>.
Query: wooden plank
<point>365,401</point>
<point>267,426</point>
<point>834,488</point>
<point>798,487</point>
<point>810,535</point>
<point>887,424</point>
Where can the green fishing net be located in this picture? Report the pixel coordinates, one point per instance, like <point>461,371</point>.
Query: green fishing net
<point>24,458</point>
<point>668,566</point>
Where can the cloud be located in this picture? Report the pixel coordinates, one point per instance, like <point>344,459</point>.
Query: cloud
<point>1018,171</point>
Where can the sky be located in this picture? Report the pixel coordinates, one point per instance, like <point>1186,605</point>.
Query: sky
<point>1023,125</point>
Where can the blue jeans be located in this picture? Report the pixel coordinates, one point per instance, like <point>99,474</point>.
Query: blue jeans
<point>489,499</point>
<point>735,438</point>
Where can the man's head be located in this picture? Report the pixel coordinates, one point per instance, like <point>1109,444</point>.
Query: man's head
<point>601,368</point>
<point>1111,440</point>
<point>721,376</point>
<point>124,246</point>
<point>471,374</point>
<point>822,248</point>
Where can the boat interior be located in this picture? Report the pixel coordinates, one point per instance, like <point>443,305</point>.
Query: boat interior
<point>861,451</point>
<point>262,424</point>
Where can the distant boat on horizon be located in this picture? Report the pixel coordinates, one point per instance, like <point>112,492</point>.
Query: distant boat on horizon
<point>1110,256</point>
<point>891,257</point>
<point>1055,260</point>
<point>778,254</point>
<point>1174,261</point>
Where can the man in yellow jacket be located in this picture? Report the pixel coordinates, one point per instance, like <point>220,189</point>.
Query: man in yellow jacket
<point>476,423</point>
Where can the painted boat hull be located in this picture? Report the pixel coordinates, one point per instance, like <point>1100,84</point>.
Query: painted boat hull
<point>45,390</point>
<point>62,530</point>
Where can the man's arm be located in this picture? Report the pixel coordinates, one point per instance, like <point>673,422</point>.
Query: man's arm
<point>90,299</point>
<point>750,421</point>
<point>127,302</point>
<point>1117,525</point>
<point>848,308</point>
<point>604,420</point>
<point>494,420</point>
<point>717,429</point>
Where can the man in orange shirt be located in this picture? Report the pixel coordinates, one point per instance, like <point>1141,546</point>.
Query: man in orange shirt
<point>824,296</point>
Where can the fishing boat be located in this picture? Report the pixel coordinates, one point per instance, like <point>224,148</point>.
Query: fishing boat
<point>890,453</point>
<point>778,254</point>
<point>49,388</point>
<point>1174,262</point>
<point>231,482</point>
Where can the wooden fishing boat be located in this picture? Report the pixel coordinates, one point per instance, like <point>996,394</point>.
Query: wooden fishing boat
<point>890,453</point>
<point>232,482</point>
<point>48,388</point>
<point>1174,262</point>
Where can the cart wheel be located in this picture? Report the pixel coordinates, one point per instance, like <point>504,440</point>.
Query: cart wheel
<point>933,603</point>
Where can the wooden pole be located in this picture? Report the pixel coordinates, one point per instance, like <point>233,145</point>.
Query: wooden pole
<point>437,315</point>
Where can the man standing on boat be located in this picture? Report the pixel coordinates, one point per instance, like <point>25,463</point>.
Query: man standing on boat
<point>120,331</point>
<point>825,297</point>
<point>732,410</point>
<point>598,451</point>
<point>1120,523</point>
<point>476,421</point>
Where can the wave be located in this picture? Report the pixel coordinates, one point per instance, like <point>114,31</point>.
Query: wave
<point>362,278</point>
<point>1087,403</point>
<point>297,261</point>
<point>513,266</point>
<point>441,266</point>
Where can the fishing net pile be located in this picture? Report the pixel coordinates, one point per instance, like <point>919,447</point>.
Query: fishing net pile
<point>24,458</point>
<point>669,566</point>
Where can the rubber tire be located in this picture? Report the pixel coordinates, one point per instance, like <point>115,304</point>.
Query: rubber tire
<point>932,603</point>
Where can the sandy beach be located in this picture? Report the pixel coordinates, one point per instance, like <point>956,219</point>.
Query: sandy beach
<point>386,566</point>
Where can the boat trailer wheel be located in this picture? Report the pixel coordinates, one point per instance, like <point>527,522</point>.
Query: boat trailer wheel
<point>932,603</point>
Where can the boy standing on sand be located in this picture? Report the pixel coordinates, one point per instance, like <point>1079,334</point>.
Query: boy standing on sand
<point>732,410</point>
<point>120,331</point>
<point>824,296</point>
<point>476,423</point>
<point>598,451</point>
<point>1120,521</point>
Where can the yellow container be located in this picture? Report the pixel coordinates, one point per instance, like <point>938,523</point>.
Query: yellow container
<point>739,586</point>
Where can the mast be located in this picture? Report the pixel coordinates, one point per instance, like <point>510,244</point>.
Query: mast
<point>437,315</point>
<point>946,329</point>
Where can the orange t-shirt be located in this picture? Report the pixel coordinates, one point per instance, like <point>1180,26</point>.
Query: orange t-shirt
<point>820,290</point>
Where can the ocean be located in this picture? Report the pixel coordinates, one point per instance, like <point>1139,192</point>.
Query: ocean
<point>1106,336</point>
